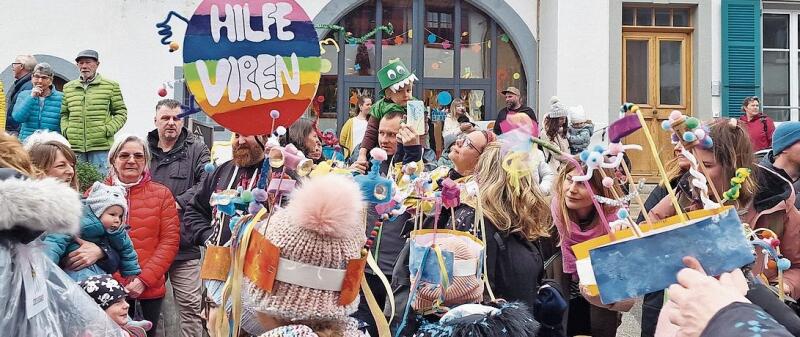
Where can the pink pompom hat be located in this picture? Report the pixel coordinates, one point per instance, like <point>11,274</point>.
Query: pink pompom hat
<point>306,262</point>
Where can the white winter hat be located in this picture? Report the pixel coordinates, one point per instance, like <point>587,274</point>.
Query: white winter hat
<point>576,114</point>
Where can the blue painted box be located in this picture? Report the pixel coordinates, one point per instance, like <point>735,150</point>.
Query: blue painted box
<point>637,266</point>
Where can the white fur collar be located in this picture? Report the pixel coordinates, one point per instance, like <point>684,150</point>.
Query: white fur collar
<point>45,204</point>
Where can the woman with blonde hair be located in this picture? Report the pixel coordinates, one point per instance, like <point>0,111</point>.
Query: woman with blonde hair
<point>12,155</point>
<point>515,218</point>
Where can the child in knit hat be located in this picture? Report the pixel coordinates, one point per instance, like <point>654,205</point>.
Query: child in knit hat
<point>580,130</point>
<point>302,273</point>
<point>111,297</point>
<point>103,224</point>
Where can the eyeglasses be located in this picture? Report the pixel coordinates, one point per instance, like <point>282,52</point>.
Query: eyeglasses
<point>124,156</point>
<point>16,64</point>
<point>468,142</point>
<point>42,77</point>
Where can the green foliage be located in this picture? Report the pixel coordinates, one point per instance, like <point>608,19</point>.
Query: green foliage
<point>87,175</point>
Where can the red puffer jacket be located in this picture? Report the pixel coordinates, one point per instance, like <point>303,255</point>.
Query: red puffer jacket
<point>155,233</point>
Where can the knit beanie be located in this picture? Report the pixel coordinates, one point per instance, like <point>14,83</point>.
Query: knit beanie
<point>557,109</point>
<point>322,227</point>
<point>103,196</point>
<point>785,136</point>
<point>103,289</point>
<point>577,114</point>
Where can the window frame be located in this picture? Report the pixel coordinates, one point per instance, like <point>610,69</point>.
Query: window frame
<point>455,84</point>
<point>794,57</point>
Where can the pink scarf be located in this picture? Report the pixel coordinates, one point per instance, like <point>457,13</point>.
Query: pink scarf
<point>576,235</point>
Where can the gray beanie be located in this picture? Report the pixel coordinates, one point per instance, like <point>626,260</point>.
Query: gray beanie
<point>103,196</point>
<point>557,109</point>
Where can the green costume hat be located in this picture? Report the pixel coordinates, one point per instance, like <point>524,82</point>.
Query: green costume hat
<point>395,75</point>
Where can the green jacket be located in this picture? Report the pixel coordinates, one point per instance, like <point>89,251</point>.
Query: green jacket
<point>91,116</point>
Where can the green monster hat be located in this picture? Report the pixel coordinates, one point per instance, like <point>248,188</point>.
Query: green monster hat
<point>395,75</point>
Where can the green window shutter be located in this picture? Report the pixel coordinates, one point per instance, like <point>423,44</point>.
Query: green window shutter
<point>741,53</point>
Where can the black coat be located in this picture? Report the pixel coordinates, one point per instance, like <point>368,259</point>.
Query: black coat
<point>182,169</point>
<point>20,85</point>
<point>501,116</point>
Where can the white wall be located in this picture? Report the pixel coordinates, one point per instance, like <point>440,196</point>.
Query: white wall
<point>574,56</point>
<point>124,33</point>
<point>716,57</point>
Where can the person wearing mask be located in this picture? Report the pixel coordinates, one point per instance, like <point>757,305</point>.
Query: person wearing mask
<point>354,129</point>
<point>760,127</point>
<point>93,112</point>
<point>513,105</point>
<point>179,159</point>
<point>40,107</point>
<point>22,67</point>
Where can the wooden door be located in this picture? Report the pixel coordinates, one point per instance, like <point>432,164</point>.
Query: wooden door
<point>656,75</point>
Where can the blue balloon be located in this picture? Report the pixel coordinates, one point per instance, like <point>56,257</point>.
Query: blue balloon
<point>444,98</point>
<point>431,38</point>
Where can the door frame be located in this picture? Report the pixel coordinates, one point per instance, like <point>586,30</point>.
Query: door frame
<point>653,105</point>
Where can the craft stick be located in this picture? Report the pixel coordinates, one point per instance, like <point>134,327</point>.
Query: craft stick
<point>661,170</point>
<point>708,178</point>
<point>636,230</point>
<point>637,196</point>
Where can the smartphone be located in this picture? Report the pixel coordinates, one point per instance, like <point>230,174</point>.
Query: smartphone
<point>415,116</point>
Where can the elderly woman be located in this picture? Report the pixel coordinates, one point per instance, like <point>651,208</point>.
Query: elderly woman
<point>153,221</point>
<point>40,107</point>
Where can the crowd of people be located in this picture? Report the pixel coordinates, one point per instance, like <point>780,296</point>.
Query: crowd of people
<point>392,241</point>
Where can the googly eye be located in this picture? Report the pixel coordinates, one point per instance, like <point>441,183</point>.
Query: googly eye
<point>391,74</point>
<point>401,70</point>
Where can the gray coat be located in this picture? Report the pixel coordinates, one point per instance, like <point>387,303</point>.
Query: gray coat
<point>182,169</point>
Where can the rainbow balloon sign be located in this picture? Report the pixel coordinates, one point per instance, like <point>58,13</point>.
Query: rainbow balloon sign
<point>243,59</point>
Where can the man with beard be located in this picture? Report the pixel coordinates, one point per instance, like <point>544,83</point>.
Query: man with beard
<point>513,105</point>
<point>207,225</point>
<point>178,162</point>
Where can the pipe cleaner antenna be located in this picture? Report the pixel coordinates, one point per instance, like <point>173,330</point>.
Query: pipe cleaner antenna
<point>165,30</point>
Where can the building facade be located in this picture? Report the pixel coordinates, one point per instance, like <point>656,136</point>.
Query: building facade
<point>701,57</point>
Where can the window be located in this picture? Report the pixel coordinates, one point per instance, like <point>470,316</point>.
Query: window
<point>655,16</point>
<point>779,79</point>
<point>450,45</point>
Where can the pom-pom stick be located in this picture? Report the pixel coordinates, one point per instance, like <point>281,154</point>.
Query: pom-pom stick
<point>636,230</point>
<point>556,151</point>
<point>654,151</point>
<point>638,197</point>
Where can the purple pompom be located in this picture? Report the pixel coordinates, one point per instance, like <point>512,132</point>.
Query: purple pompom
<point>260,195</point>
